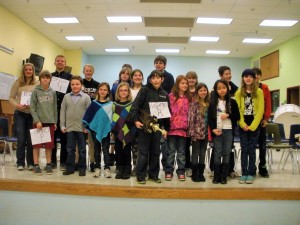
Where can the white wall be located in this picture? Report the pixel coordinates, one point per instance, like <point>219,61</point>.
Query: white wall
<point>107,68</point>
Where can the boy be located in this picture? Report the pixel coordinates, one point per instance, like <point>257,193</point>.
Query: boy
<point>149,143</point>
<point>72,110</point>
<point>43,109</point>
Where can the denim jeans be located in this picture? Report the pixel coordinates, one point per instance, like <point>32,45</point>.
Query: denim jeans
<point>176,144</point>
<point>23,123</point>
<point>198,151</point>
<point>97,150</point>
<point>73,138</point>
<point>148,151</point>
<point>248,151</point>
<point>188,153</point>
<point>222,147</point>
<point>164,151</point>
<point>262,146</point>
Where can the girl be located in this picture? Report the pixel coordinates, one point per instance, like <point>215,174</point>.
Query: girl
<point>192,81</point>
<point>137,79</point>
<point>179,104</point>
<point>250,100</point>
<point>123,130</point>
<point>223,115</point>
<point>22,117</point>
<point>97,119</point>
<point>197,131</point>
<point>124,76</point>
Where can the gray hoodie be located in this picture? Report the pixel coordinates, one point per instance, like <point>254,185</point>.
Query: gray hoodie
<point>43,105</point>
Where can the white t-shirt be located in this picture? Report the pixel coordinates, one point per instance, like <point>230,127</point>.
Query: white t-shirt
<point>221,110</point>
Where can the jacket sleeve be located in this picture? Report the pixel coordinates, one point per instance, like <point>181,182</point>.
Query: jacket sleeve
<point>137,105</point>
<point>212,123</point>
<point>235,113</point>
<point>259,110</point>
<point>268,104</point>
<point>240,103</point>
<point>63,113</point>
<point>13,93</point>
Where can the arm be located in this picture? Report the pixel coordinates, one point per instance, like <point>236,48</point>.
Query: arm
<point>268,105</point>
<point>33,107</point>
<point>259,104</point>
<point>63,115</point>
<point>240,103</point>
<point>12,96</point>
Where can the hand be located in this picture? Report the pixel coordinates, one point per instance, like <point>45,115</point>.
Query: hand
<point>39,125</point>
<point>165,134</point>
<point>19,106</point>
<point>138,124</point>
<point>224,116</point>
<point>55,127</point>
<point>263,123</point>
<point>64,130</point>
<point>217,132</point>
<point>85,131</point>
<point>246,128</point>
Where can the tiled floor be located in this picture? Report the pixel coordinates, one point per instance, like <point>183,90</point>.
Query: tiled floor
<point>278,179</point>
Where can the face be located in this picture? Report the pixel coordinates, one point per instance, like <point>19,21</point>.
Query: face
<point>226,75</point>
<point>202,93</point>
<point>257,78</point>
<point>76,86</point>
<point>183,85</point>
<point>160,66</point>
<point>123,93</point>
<point>103,92</point>
<point>88,72</point>
<point>124,76</point>
<point>192,82</point>
<point>248,80</point>
<point>137,78</point>
<point>45,81</point>
<point>156,81</point>
<point>28,72</point>
<point>60,63</point>
<point>221,90</point>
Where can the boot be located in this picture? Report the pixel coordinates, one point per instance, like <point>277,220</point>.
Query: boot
<point>127,172</point>
<point>224,172</point>
<point>262,170</point>
<point>217,171</point>
<point>120,172</point>
<point>201,172</point>
<point>195,171</point>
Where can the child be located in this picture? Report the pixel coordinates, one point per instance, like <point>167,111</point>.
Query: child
<point>250,100</point>
<point>97,119</point>
<point>124,76</point>
<point>22,117</point>
<point>137,82</point>
<point>192,81</point>
<point>123,130</point>
<point>223,115</point>
<point>43,109</point>
<point>197,131</point>
<point>149,143</point>
<point>179,105</point>
<point>72,110</point>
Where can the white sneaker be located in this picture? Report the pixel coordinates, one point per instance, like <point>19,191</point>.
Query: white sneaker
<point>20,168</point>
<point>107,173</point>
<point>30,167</point>
<point>211,175</point>
<point>97,173</point>
<point>188,172</point>
<point>235,175</point>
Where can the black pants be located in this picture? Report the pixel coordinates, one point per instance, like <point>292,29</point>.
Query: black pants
<point>262,146</point>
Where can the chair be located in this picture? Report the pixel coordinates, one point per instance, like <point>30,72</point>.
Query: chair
<point>8,141</point>
<point>282,133</point>
<point>273,129</point>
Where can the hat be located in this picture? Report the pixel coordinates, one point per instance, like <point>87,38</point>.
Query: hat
<point>157,73</point>
<point>249,72</point>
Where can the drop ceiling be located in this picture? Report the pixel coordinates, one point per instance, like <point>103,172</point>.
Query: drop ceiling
<point>178,24</point>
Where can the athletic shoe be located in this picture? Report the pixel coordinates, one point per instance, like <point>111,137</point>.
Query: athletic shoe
<point>20,168</point>
<point>249,180</point>
<point>30,167</point>
<point>243,179</point>
<point>181,177</point>
<point>154,179</point>
<point>97,173</point>
<point>168,177</point>
<point>82,173</point>
<point>49,170</point>
<point>37,170</point>
<point>188,172</point>
<point>107,173</point>
<point>211,175</point>
<point>141,180</point>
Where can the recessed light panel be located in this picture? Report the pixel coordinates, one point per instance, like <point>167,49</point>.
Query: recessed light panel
<point>117,50</point>
<point>257,40</point>
<point>62,20</point>
<point>205,20</point>
<point>163,50</point>
<point>80,38</point>
<point>222,52</point>
<point>131,38</point>
<point>210,39</point>
<point>124,19</point>
<point>278,23</point>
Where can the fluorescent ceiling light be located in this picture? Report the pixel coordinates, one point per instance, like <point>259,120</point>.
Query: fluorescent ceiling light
<point>117,50</point>
<point>161,50</point>
<point>214,20</point>
<point>278,23</point>
<point>80,38</point>
<point>131,38</point>
<point>62,20</point>
<point>212,39</point>
<point>222,52</point>
<point>124,19</point>
<point>257,40</point>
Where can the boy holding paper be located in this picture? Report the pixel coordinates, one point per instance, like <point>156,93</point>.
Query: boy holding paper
<point>43,108</point>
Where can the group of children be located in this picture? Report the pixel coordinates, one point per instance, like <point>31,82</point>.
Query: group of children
<point>196,117</point>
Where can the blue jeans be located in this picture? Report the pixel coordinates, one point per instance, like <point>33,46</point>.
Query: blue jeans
<point>97,150</point>
<point>198,151</point>
<point>23,123</point>
<point>73,138</point>
<point>248,151</point>
<point>222,147</point>
<point>176,144</point>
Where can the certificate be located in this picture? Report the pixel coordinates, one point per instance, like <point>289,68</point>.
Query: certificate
<point>159,109</point>
<point>39,136</point>
<point>25,98</point>
<point>60,85</point>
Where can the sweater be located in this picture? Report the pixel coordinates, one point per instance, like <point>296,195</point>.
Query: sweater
<point>267,99</point>
<point>197,127</point>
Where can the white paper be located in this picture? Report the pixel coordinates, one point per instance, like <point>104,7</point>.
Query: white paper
<point>60,85</point>
<point>39,136</point>
<point>25,98</point>
<point>159,109</point>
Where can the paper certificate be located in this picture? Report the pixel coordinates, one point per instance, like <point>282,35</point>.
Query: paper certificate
<point>159,109</point>
<point>39,136</point>
<point>25,98</point>
<point>60,85</point>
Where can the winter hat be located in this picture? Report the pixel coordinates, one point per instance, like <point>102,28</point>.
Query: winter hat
<point>249,72</point>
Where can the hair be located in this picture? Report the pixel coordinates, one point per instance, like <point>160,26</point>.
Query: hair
<point>203,103</point>
<point>117,97</point>
<point>60,56</point>
<point>222,69</point>
<point>45,73</point>
<point>124,70</point>
<point>101,85</point>
<point>22,80</point>
<point>193,75</point>
<point>254,88</point>
<point>215,97</point>
<point>132,74</point>
<point>160,58</point>
<point>257,71</point>
<point>127,65</point>
<point>175,89</point>
<point>89,65</point>
<point>155,73</point>
<point>76,77</point>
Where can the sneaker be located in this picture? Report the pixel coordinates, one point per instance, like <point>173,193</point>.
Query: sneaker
<point>68,172</point>
<point>82,173</point>
<point>20,168</point>
<point>181,177</point>
<point>107,173</point>
<point>53,165</point>
<point>249,180</point>
<point>211,175</point>
<point>243,179</point>
<point>37,170</point>
<point>49,170</point>
<point>97,173</point>
<point>141,180</point>
<point>168,177</point>
<point>263,172</point>
<point>154,179</point>
<point>234,175</point>
<point>188,172</point>
<point>30,167</point>
<point>63,167</point>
